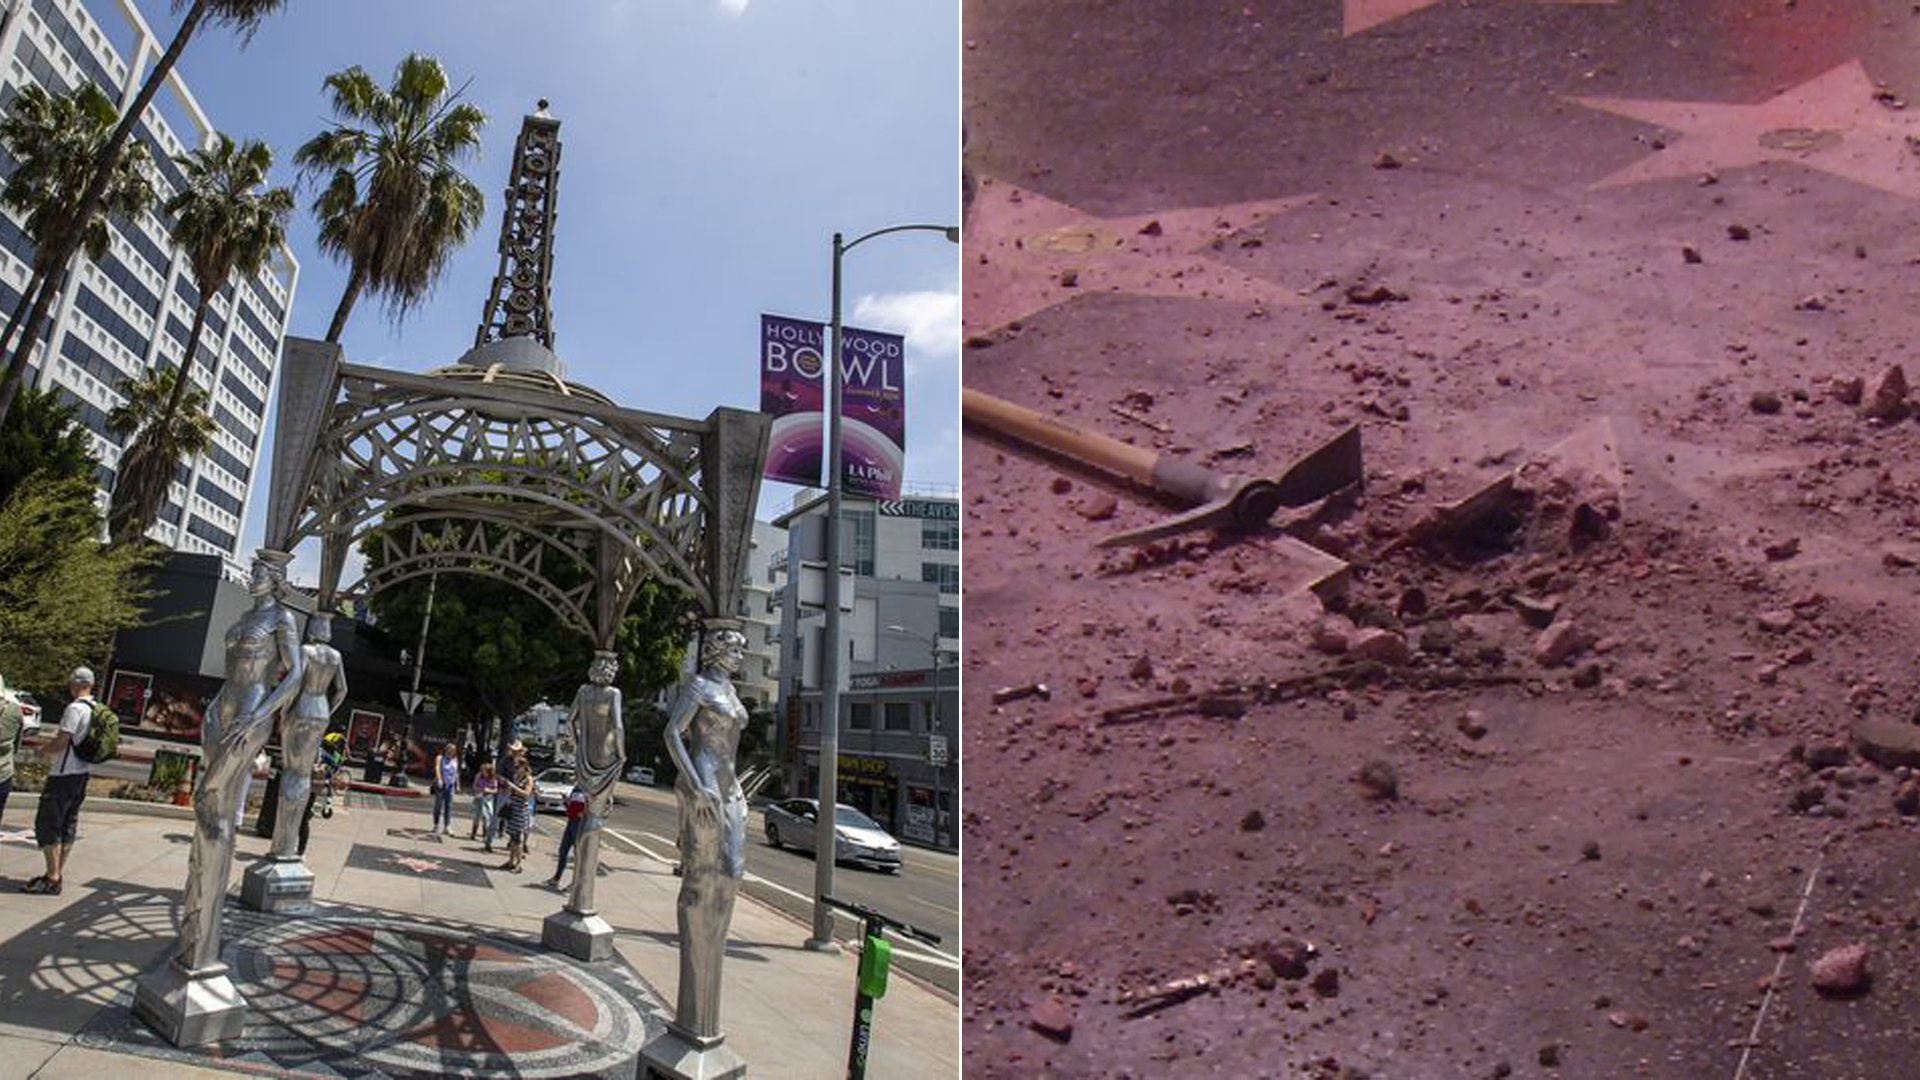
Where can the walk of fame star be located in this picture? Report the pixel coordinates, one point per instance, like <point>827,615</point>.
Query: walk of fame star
<point>1359,15</point>
<point>417,865</point>
<point>1027,253</point>
<point>1831,123</point>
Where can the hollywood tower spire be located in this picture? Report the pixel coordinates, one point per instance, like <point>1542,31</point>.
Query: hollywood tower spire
<point>520,303</point>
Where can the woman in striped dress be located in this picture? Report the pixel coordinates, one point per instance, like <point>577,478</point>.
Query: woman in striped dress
<point>519,813</point>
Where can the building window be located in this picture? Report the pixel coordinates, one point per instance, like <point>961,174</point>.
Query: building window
<point>940,535</point>
<point>899,716</point>
<point>946,575</point>
<point>809,716</point>
<point>863,541</point>
<point>949,622</point>
<point>860,716</point>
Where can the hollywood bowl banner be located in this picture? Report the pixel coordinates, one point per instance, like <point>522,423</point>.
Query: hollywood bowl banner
<point>792,359</point>
<point>873,414</point>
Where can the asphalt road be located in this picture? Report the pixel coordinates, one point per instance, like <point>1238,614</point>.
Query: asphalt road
<point>925,893</point>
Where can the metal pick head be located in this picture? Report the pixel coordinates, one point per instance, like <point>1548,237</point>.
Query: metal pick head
<point>1252,503</point>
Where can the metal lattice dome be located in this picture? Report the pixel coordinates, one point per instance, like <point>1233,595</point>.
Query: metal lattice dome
<point>519,362</point>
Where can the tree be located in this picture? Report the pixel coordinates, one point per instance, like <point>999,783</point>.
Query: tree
<point>394,204</point>
<point>244,16</point>
<point>224,222</point>
<point>41,435</point>
<point>62,593</point>
<point>54,140</point>
<point>513,651</point>
<point>158,446</point>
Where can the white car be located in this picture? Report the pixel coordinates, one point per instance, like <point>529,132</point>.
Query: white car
<point>640,774</point>
<point>550,788</point>
<point>29,710</point>
<point>857,838</point>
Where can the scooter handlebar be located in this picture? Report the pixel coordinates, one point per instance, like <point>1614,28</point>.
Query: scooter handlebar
<point>869,915</point>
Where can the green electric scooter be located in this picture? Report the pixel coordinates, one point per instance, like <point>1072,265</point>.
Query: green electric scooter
<point>876,955</point>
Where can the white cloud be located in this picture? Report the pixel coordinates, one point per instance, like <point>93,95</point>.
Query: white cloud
<point>930,320</point>
<point>734,7</point>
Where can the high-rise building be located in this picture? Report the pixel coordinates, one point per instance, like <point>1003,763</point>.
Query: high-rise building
<point>131,310</point>
<point>899,716</point>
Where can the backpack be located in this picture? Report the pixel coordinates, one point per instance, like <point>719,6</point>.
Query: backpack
<point>103,736</point>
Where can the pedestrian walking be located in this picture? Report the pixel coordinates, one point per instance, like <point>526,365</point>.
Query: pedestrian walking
<point>57,824</point>
<point>520,814</point>
<point>10,721</point>
<point>576,813</point>
<point>486,788</point>
<point>445,781</point>
<point>504,769</point>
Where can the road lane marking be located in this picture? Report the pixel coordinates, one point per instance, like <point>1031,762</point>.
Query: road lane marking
<point>906,948</point>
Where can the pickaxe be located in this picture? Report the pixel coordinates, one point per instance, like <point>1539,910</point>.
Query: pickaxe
<point>1216,500</point>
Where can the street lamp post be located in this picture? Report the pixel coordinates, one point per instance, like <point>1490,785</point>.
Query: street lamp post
<point>826,793</point>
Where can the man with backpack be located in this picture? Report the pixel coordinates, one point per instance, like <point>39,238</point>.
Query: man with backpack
<point>88,734</point>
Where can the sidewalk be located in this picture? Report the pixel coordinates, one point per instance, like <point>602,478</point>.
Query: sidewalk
<point>67,963</point>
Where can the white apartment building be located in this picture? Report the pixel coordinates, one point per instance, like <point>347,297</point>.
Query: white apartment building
<point>132,310</point>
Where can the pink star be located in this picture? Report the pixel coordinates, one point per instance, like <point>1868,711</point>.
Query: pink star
<point>1366,14</point>
<point>1027,253</point>
<point>418,866</point>
<point>1831,123</point>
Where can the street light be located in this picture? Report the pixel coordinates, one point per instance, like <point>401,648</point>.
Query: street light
<point>827,795</point>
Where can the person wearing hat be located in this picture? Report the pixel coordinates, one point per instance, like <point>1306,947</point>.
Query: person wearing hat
<point>57,824</point>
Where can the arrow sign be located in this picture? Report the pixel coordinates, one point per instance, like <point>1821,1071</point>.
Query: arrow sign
<point>411,699</point>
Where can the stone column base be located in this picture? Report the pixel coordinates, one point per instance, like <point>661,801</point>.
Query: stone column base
<point>190,1008</point>
<point>583,937</point>
<point>678,1055</point>
<point>280,886</point>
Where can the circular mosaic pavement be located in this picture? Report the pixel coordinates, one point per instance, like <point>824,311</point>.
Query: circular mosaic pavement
<point>354,993</point>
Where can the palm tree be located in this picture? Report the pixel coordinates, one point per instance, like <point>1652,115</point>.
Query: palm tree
<point>223,223</point>
<point>244,16</point>
<point>155,454</point>
<point>394,203</point>
<point>54,140</point>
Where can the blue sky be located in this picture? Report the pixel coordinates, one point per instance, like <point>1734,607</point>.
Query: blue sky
<point>710,150</point>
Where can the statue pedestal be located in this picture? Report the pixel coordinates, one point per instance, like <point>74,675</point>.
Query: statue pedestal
<point>678,1055</point>
<point>280,886</point>
<point>190,1008</point>
<point>583,937</point>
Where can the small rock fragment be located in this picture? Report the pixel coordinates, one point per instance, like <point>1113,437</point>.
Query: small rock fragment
<point>1560,642</point>
<point>1472,724</point>
<point>1739,232</point>
<point>1765,402</point>
<point>1690,255</point>
<point>1326,982</point>
<point>1052,1018</point>
<point>1101,507</point>
<point>1141,670</point>
<point>1379,780</point>
<point>1381,646</point>
<point>1889,397</point>
<point>1775,620</point>
<point>1848,391</point>
<point>1842,971</point>
<point>1783,549</point>
<point>1333,634</point>
<point>1385,160</point>
<point>1254,821</point>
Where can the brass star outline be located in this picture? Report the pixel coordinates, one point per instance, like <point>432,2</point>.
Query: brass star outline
<point>1026,253</point>
<point>1830,122</point>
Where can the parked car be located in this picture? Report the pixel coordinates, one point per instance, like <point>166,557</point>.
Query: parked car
<point>858,839</point>
<point>550,788</point>
<point>29,710</point>
<point>640,774</point>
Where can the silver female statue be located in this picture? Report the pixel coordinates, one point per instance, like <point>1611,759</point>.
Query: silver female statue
<point>301,729</point>
<point>260,644</point>
<point>703,734</point>
<point>600,740</point>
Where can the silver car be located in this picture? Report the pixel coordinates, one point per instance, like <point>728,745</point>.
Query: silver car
<point>858,839</point>
<point>550,788</point>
